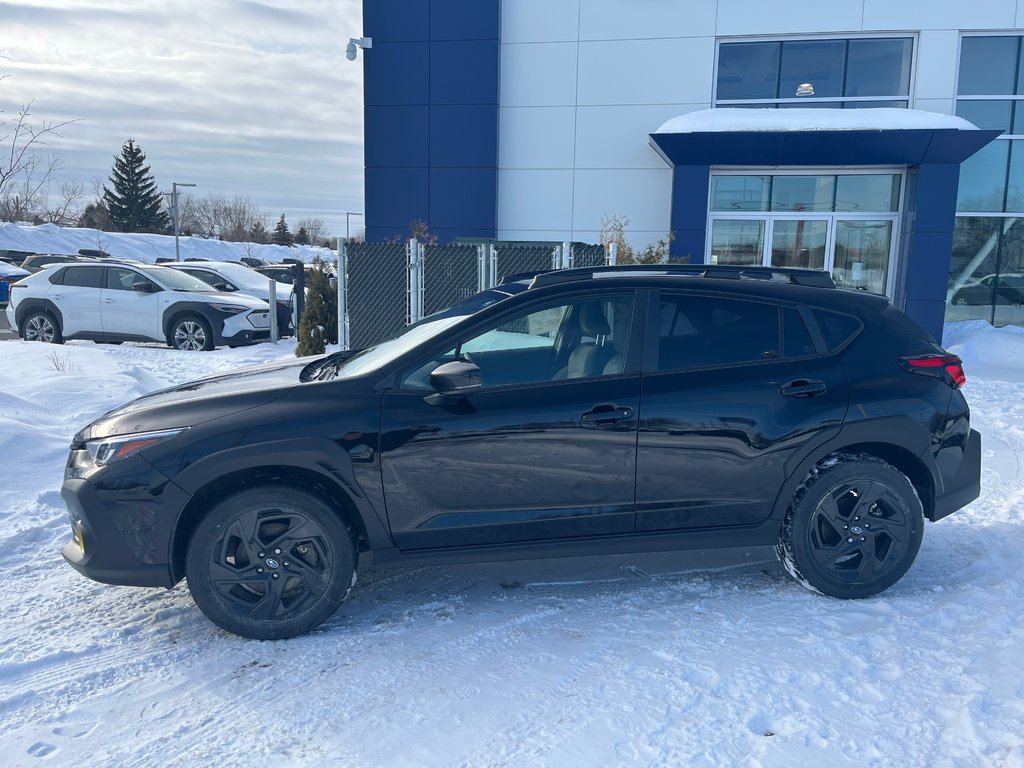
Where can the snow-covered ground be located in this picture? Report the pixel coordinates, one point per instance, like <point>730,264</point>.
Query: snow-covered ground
<point>653,660</point>
<point>49,238</point>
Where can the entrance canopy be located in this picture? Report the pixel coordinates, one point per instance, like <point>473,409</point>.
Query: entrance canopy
<point>931,146</point>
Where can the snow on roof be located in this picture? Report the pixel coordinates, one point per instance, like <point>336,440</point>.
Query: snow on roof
<point>814,119</point>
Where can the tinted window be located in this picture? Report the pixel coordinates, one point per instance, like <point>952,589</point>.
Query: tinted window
<point>123,279</point>
<point>878,67</point>
<point>699,331</point>
<point>836,328</point>
<point>83,277</point>
<point>818,62</point>
<point>796,341</point>
<point>988,65</point>
<point>748,70</point>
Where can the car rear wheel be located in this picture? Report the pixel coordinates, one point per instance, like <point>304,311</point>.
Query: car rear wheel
<point>41,326</point>
<point>271,562</point>
<point>853,529</point>
<point>191,334</point>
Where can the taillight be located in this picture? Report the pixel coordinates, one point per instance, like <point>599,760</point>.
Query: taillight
<point>949,368</point>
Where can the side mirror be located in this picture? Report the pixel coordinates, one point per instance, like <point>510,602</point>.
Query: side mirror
<point>224,287</point>
<point>144,287</point>
<point>456,379</point>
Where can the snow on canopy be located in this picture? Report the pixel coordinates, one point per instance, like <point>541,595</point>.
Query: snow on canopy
<point>814,119</point>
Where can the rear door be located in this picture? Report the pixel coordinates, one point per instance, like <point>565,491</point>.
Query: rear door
<point>732,388</point>
<point>77,296</point>
<point>127,312</point>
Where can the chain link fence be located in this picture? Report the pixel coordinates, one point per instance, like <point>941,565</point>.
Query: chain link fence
<point>387,285</point>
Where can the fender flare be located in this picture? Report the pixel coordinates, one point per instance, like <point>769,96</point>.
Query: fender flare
<point>27,306</point>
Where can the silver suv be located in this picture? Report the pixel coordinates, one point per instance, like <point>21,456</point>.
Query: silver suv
<point>117,301</point>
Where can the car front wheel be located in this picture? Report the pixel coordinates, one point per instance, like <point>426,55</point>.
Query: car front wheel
<point>271,562</point>
<point>853,529</point>
<point>192,334</point>
<point>41,326</point>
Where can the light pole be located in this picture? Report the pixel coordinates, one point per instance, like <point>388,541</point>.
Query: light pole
<point>174,212</point>
<point>347,214</point>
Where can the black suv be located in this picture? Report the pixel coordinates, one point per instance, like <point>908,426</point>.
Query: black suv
<point>590,411</point>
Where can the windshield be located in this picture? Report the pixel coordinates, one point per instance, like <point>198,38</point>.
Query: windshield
<point>175,280</point>
<point>381,354</point>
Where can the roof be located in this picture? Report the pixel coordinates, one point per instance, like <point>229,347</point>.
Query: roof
<point>731,119</point>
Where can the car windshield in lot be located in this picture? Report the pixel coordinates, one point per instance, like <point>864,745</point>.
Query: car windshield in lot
<point>175,280</point>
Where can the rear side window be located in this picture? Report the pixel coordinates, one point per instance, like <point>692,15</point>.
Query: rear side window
<point>836,328</point>
<point>698,331</point>
<point>82,277</point>
<point>796,341</point>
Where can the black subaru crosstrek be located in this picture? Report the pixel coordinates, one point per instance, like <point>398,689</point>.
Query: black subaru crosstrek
<point>606,410</point>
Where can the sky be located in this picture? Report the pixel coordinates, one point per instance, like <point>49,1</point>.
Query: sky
<point>236,96</point>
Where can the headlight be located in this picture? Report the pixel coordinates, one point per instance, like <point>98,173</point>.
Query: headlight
<point>110,449</point>
<point>231,309</point>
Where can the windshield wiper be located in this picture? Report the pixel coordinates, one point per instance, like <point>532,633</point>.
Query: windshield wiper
<point>326,367</point>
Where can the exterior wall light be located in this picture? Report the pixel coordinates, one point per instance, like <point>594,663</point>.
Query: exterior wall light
<point>804,89</point>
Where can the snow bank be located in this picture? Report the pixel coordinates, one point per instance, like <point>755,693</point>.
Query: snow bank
<point>49,238</point>
<point>994,353</point>
<point>814,119</point>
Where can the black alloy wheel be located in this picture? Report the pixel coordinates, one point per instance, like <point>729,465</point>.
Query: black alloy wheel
<point>271,562</point>
<point>854,529</point>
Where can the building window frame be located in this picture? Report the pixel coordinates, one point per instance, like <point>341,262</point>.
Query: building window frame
<point>909,98</point>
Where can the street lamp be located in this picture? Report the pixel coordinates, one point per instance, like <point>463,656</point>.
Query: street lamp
<point>347,214</point>
<point>174,212</point>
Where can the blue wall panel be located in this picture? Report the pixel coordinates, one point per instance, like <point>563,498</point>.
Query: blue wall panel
<point>397,136</point>
<point>464,72</point>
<point>936,207</point>
<point>463,198</point>
<point>465,19</point>
<point>396,74</point>
<point>463,136</point>
<point>396,196</point>
<point>396,21</point>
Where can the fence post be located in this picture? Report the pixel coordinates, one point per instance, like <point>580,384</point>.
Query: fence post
<point>342,294</point>
<point>566,255</point>
<point>411,285</point>
<point>481,267</point>
<point>613,254</point>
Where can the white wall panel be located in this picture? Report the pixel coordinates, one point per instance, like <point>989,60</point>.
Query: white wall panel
<point>635,237</point>
<point>629,19</point>
<point>672,71</point>
<point>783,17</point>
<point>538,74</point>
<point>533,21</point>
<point>936,63</point>
<point>939,14</point>
<point>942,106</point>
<point>537,199</point>
<point>536,137</point>
<point>644,195</point>
<point>556,235</point>
<point>617,137</point>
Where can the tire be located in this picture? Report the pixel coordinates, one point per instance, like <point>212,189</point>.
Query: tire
<point>191,334</point>
<point>853,529</point>
<point>960,301</point>
<point>246,539</point>
<point>41,326</point>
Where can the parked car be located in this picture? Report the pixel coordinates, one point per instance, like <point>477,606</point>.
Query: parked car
<point>9,274</point>
<point>1002,289</point>
<point>14,258</point>
<point>254,261</point>
<point>587,411</point>
<point>121,301</point>
<point>37,261</point>
<point>231,277</point>
<point>282,273</point>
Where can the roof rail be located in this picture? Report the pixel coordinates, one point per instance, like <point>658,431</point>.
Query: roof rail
<point>809,277</point>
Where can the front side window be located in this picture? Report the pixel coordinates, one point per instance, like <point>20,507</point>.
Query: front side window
<point>123,279</point>
<point>830,72</point>
<point>702,331</point>
<point>585,338</point>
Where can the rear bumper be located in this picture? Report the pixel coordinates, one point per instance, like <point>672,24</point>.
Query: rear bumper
<point>966,485</point>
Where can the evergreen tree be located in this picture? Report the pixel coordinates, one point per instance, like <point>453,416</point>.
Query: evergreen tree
<point>135,203</point>
<point>302,237</point>
<point>257,232</point>
<point>95,216</point>
<point>318,324</point>
<point>282,235</point>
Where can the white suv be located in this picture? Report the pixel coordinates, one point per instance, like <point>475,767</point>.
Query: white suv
<point>115,302</point>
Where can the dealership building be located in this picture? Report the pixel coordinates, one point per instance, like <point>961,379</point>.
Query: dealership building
<point>873,139</point>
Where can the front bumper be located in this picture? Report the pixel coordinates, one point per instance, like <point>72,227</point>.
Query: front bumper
<point>965,486</point>
<point>124,518</point>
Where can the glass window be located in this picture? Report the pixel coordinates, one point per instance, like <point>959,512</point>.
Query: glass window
<point>123,279</point>
<point>803,193</point>
<point>836,328</point>
<point>740,193</point>
<point>988,66</point>
<point>796,341</point>
<point>82,277</point>
<point>878,67</point>
<point>1015,178</point>
<point>748,70</point>
<point>582,339</point>
<point>799,243</point>
<point>728,331</point>
<point>818,62</point>
<point>986,114</point>
<point>737,242</point>
<point>862,254</point>
<point>983,179</point>
<point>987,276</point>
<point>868,192</point>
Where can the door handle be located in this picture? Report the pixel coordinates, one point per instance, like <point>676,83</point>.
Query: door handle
<point>607,413</point>
<point>56,295</point>
<point>108,301</point>
<point>803,388</point>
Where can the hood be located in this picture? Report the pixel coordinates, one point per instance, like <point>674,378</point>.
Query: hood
<point>197,402</point>
<point>220,297</point>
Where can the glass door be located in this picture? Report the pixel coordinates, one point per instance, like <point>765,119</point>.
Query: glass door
<point>861,254</point>
<point>802,243</point>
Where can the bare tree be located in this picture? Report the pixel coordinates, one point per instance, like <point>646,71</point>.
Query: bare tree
<point>316,229</point>
<point>67,209</point>
<point>26,172</point>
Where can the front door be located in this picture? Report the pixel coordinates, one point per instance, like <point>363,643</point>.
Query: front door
<point>127,312</point>
<point>545,450</point>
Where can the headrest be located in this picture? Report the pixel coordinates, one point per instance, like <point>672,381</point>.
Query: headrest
<point>592,319</point>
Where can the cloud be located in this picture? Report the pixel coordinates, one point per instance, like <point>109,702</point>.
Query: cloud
<point>239,96</point>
